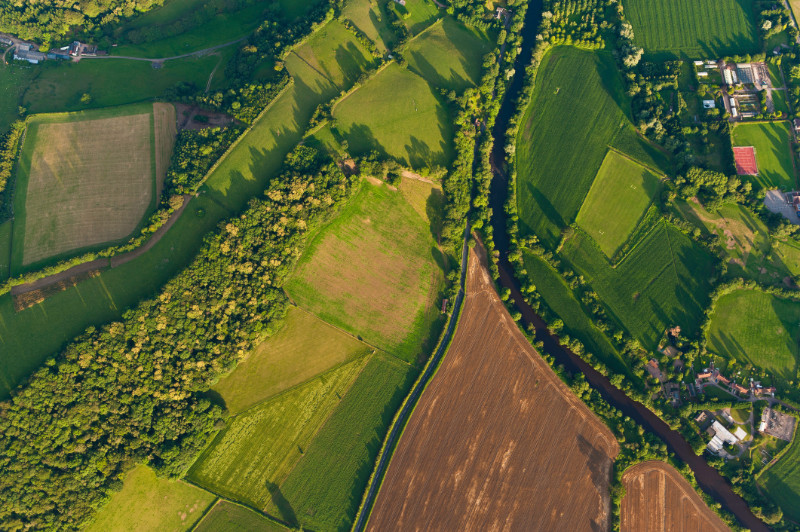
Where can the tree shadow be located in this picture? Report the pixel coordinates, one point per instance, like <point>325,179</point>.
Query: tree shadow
<point>599,465</point>
<point>434,209</point>
<point>285,509</point>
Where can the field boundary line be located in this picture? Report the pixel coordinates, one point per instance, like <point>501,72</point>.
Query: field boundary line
<point>672,254</point>
<point>777,457</point>
<point>207,510</point>
<point>221,498</point>
<point>659,173</point>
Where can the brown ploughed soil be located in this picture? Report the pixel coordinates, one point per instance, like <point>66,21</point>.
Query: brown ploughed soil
<point>497,441</point>
<point>657,498</point>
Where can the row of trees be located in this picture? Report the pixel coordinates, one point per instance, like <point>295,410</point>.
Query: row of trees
<point>194,154</point>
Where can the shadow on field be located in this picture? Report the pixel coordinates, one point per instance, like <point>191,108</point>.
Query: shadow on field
<point>428,71</point>
<point>434,208</point>
<point>284,508</point>
<point>599,466</point>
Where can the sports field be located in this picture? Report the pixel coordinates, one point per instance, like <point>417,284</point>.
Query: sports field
<point>147,502</point>
<point>302,348</point>
<point>781,481</point>
<point>757,328</point>
<point>449,54</point>
<point>371,18</point>
<point>662,282</point>
<point>617,201</point>
<point>76,187</point>
<point>745,159</point>
<point>702,28</point>
<point>325,488</point>
<point>773,152</point>
<point>374,272</point>
<point>227,516</point>
<point>413,125</point>
<point>583,119</point>
<point>252,456</point>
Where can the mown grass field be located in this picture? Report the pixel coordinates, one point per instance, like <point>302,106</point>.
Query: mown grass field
<point>413,125</point>
<point>329,61</point>
<point>704,28</point>
<point>249,459</point>
<point>75,189</point>
<point>773,152</point>
<point>757,328</point>
<point>663,281</point>
<point>302,348</point>
<point>583,117</point>
<point>449,54</point>
<point>5,248</point>
<point>617,201</point>
<point>14,80</point>
<point>426,199</point>
<point>371,18</point>
<point>227,516</point>
<point>374,272</point>
<point>110,82</point>
<point>325,488</point>
<point>148,502</point>
<point>782,481</point>
<point>417,14</point>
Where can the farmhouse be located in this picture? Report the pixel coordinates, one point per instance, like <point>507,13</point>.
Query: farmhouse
<point>401,2</point>
<point>704,375</point>
<point>29,55</point>
<point>739,388</point>
<point>653,369</point>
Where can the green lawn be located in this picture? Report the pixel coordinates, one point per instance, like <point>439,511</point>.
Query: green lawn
<point>449,54</point>
<point>781,481</point>
<point>326,63</point>
<point>227,516</point>
<point>325,488</point>
<point>374,272</point>
<point>417,14</point>
<point>662,282</point>
<point>371,17</point>
<point>14,81</point>
<point>787,253</point>
<point>150,503</point>
<point>779,99</point>
<point>773,152</point>
<point>302,348</point>
<point>5,249</point>
<point>757,328</point>
<point>740,415</point>
<point>582,119</point>
<point>250,458</point>
<point>702,28</point>
<point>110,82</point>
<point>412,125</point>
<point>620,195</point>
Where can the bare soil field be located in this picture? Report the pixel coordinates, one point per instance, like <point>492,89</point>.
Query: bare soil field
<point>497,441</point>
<point>165,129</point>
<point>657,498</point>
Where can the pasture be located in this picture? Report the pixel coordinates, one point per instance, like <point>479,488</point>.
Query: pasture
<point>706,28</point>
<point>227,516</point>
<point>413,126</point>
<point>773,152</point>
<point>148,502</point>
<point>781,481</point>
<point>325,488</point>
<point>584,119</point>
<point>14,81</point>
<point>426,199</point>
<point>624,186</point>
<point>663,281</point>
<point>374,272</point>
<point>302,348</point>
<point>251,457</point>
<point>371,18</point>
<point>5,248</point>
<point>416,14</point>
<point>658,498</point>
<point>482,434</point>
<point>76,189</point>
<point>757,328</point>
<point>449,54</point>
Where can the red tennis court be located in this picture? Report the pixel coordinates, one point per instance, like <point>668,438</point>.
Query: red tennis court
<point>745,157</point>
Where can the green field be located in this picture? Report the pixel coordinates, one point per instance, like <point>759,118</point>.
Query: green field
<point>413,125</point>
<point>329,61</point>
<point>773,152</point>
<point>250,458</point>
<point>371,18</point>
<point>149,503</point>
<point>14,81</point>
<point>304,347</point>
<point>374,272</point>
<point>757,328</point>
<point>582,117</point>
<point>449,54</point>
<point>781,481</point>
<point>662,282</point>
<point>620,195</point>
<point>781,105</point>
<point>325,488</point>
<point>702,28</point>
<point>227,516</point>
<point>417,14</point>
<point>110,82</point>
<point>5,249</point>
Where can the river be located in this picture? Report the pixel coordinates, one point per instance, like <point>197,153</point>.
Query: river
<point>708,478</point>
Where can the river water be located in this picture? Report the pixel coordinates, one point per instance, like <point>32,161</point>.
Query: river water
<point>708,478</point>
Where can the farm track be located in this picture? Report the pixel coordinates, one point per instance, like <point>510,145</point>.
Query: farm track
<point>496,427</point>
<point>657,498</point>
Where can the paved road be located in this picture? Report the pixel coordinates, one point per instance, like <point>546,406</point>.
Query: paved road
<point>196,53</point>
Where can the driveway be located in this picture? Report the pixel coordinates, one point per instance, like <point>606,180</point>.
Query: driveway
<point>775,201</point>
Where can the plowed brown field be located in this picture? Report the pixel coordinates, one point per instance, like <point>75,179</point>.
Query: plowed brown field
<point>657,498</point>
<point>497,441</point>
